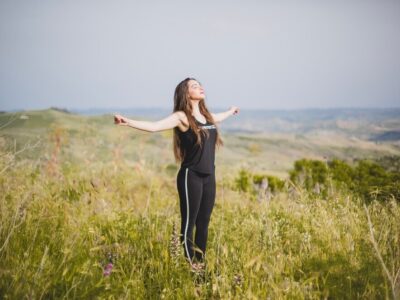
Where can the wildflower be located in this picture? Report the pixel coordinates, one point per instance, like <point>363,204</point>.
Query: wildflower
<point>111,257</point>
<point>175,246</point>
<point>237,280</point>
<point>198,267</point>
<point>108,269</point>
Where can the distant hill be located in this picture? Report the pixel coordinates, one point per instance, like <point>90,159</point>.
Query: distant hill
<point>365,123</point>
<point>387,136</point>
<point>360,123</point>
<point>374,124</point>
<point>261,140</point>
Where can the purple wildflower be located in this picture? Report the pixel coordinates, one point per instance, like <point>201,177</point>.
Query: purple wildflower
<point>107,269</point>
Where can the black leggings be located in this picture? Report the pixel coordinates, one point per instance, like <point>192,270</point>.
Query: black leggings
<point>197,198</point>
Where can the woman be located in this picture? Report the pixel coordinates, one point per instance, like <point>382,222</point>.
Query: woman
<point>195,139</point>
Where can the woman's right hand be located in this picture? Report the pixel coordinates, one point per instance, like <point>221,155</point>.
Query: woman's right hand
<point>120,120</point>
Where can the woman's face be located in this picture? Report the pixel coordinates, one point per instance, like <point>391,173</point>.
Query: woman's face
<point>196,91</point>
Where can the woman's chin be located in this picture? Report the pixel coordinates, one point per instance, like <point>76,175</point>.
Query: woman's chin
<point>198,99</point>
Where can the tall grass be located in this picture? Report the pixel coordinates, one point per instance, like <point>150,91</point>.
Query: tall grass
<point>59,231</point>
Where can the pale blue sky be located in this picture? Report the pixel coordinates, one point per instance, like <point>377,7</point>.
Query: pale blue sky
<point>253,54</point>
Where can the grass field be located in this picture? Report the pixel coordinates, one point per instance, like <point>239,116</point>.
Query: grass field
<point>90,192</point>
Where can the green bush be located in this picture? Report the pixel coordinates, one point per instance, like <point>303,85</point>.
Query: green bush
<point>366,178</point>
<point>243,181</point>
<point>246,180</point>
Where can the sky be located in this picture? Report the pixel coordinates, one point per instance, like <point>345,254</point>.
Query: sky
<point>251,54</point>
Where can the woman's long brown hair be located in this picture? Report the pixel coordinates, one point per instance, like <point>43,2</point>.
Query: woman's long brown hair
<point>182,103</point>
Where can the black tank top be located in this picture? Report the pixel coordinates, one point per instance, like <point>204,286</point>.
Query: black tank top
<point>200,159</point>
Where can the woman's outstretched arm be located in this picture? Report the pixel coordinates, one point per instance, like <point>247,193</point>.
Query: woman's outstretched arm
<point>173,120</point>
<point>219,117</point>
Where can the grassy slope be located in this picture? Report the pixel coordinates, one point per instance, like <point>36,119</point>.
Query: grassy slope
<point>56,232</point>
<point>87,139</point>
<point>114,192</point>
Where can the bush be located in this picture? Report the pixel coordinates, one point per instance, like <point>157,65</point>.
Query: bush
<point>250,182</point>
<point>366,178</point>
<point>242,182</point>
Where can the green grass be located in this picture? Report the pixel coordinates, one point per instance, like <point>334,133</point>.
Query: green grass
<point>56,232</point>
<point>60,221</point>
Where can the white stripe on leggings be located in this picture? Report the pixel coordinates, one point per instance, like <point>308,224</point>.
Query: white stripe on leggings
<point>187,215</point>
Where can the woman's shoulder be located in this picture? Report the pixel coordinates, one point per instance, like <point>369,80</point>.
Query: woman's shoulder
<point>181,114</point>
<point>184,124</point>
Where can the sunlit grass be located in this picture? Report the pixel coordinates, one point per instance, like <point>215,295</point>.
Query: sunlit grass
<point>58,232</point>
<point>92,194</point>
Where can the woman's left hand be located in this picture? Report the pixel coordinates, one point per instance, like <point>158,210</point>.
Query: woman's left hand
<point>234,110</point>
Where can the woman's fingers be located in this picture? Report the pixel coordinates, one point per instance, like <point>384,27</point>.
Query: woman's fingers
<point>117,119</point>
<point>235,110</point>
<point>120,120</point>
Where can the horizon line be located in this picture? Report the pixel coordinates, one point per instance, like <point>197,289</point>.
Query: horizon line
<point>219,108</point>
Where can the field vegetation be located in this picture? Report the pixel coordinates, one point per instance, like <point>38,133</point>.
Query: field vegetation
<point>89,210</point>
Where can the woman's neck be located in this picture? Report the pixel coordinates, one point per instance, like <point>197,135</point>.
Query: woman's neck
<point>195,108</point>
